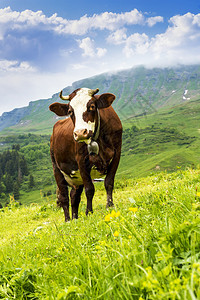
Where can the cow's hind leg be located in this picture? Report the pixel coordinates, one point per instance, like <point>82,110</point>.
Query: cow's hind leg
<point>75,195</point>
<point>62,194</point>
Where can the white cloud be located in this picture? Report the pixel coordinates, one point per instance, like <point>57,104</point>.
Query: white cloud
<point>78,66</point>
<point>183,32</point>
<point>180,43</point>
<point>113,21</point>
<point>107,20</point>
<point>117,37</point>
<point>10,19</point>
<point>87,45</point>
<point>136,44</point>
<point>15,66</point>
<point>101,52</point>
<point>153,20</point>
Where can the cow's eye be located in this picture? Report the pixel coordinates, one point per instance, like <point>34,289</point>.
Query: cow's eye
<point>70,112</point>
<point>92,107</point>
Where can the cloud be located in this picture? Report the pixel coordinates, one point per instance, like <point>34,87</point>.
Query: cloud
<point>87,45</point>
<point>117,37</point>
<point>112,21</point>
<point>105,21</point>
<point>180,43</point>
<point>21,34</point>
<point>13,20</point>
<point>182,38</point>
<point>15,66</point>
<point>101,52</point>
<point>136,44</point>
<point>153,20</point>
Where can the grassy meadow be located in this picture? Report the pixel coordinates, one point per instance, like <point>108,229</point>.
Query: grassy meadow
<point>146,247</point>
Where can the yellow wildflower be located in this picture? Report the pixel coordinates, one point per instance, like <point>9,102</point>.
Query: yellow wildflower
<point>107,217</point>
<point>98,247</point>
<point>117,214</point>
<point>130,236</point>
<point>198,194</point>
<point>195,265</point>
<point>113,214</point>
<point>116,233</point>
<point>133,209</point>
<point>102,243</point>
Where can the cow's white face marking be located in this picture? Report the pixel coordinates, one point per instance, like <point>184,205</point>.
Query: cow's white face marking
<point>79,105</point>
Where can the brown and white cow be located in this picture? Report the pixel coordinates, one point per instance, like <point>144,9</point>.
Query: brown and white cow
<point>85,146</point>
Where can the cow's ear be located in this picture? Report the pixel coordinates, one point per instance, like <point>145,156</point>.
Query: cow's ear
<point>59,109</point>
<point>105,100</point>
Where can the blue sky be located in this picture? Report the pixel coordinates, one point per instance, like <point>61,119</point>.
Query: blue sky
<point>47,45</point>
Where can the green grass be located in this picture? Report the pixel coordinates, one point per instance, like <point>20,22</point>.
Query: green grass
<point>148,247</point>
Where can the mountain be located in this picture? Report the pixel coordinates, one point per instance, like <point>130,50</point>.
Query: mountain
<point>138,91</point>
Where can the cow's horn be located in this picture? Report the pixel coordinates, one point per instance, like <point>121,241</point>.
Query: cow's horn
<point>63,97</point>
<point>93,92</point>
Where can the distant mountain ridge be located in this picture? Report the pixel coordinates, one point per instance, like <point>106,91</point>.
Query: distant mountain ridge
<point>138,91</point>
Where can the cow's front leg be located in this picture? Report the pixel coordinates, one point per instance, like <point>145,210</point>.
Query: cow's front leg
<point>109,184</point>
<point>75,195</point>
<point>109,180</point>
<point>89,191</point>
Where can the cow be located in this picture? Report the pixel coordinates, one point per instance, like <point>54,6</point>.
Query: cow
<point>84,146</point>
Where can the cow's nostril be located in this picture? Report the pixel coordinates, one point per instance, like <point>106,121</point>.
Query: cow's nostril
<point>75,135</point>
<point>85,132</point>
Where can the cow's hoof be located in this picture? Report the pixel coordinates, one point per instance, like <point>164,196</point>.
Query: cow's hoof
<point>75,216</point>
<point>109,204</point>
<point>88,212</point>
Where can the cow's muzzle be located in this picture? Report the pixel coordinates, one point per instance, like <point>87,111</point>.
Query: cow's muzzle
<point>82,135</point>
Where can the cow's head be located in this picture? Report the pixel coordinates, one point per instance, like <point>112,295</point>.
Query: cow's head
<point>83,110</point>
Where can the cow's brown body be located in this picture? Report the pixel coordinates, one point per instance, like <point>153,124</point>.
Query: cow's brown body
<point>73,164</point>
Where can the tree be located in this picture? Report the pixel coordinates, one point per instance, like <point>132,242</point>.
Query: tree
<point>31,182</point>
<point>13,167</point>
<point>8,181</point>
<point>23,166</point>
<point>16,190</point>
<point>16,147</point>
<point>2,187</point>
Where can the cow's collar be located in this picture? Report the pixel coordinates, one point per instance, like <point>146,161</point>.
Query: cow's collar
<point>93,147</point>
<point>96,134</point>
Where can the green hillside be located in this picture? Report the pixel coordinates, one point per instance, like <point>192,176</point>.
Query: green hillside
<point>166,140</point>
